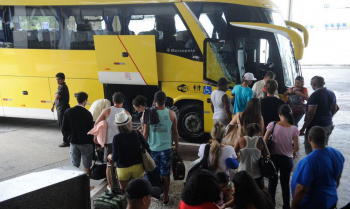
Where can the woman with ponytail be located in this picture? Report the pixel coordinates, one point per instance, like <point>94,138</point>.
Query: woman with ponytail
<point>218,151</point>
<point>282,152</point>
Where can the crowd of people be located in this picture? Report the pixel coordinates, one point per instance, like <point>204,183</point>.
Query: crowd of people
<point>232,177</point>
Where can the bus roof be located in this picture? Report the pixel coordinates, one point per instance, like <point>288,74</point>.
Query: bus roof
<point>256,3</point>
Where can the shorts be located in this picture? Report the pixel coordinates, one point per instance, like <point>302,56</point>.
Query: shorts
<point>78,151</point>
<point>108,149</point>
<point>162,160</point>
<point>132,172</point>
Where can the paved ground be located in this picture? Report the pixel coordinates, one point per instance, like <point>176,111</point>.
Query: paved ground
<point>31,145</point>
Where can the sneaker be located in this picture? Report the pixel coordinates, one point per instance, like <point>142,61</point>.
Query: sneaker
<point>108,190</point>
<point>166,202</point>
<point>64,144</point>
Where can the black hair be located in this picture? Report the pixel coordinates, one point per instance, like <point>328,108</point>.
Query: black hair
<point>222,177</point>
<point>270,75</point>
<point>61,76</point>
<point>300,78</point>
<point>201,187</point>
<point>139,100</point>
<point>318,135</point>
<point>253,129</point>
<point>81,97</point>
<point>252,112</point>
<point>118,98</point>
<point>318,81</point>
<point>286,112</point>
<point>169,102</point>
<point>248,193</point>
<point>271,86</point>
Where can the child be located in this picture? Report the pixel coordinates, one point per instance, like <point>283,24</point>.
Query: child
<point>226,188</point>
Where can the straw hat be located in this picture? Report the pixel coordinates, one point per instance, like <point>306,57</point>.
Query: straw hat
<point>122,118</point>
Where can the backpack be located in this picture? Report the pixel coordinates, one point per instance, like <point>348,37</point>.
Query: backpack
<point>296,104</point>
<point>203,164</point>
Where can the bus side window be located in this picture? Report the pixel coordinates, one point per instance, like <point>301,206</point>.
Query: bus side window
<point>171,34</point>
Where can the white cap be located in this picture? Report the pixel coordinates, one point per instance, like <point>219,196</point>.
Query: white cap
<point>249,77</point>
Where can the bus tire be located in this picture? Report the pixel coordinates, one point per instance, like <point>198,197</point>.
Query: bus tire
<point>191,123</point>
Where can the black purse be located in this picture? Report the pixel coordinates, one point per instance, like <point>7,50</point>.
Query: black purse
<point>179,170</point>
<point>98,171</point>
<point>269,141</point>
<point>267,168</point>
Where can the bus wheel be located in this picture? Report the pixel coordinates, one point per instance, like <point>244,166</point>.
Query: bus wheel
<point>191,123</point>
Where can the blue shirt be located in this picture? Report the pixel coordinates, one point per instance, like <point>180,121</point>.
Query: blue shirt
<point>242,97</point>
<point>319,172</point>
<point>324,100</point>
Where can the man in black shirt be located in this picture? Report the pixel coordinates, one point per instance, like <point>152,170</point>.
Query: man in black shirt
<point>62,104</point>
<point>77,122</point>
<point>270,103</point>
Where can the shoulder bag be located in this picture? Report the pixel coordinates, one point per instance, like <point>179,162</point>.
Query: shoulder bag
<point>267,168</point>
<point>147,160</point>
<point>269,141</point>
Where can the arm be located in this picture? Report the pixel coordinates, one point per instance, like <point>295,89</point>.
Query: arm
<point>296,144</point>
<point>235,119</point>
<point>335,109</point>
<point>103,116</point>
<point>174,133</point>
<point>254,90</point>
<point>286,92</point>
<point>267,134</point>
<point>238,145</point>
<point>146,131</point>
<point>212,106</point>
<point>143,141</point>
<point>226,102</point>
<point>308,118</point>
<point>305,95</point>
<point>299,194</point>
<point>262,126</point>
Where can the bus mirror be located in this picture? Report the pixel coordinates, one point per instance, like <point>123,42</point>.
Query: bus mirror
<point>300,28</point>
<point>293,36</point>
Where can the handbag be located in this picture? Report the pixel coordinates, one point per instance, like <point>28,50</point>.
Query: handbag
<point>269,141</point>
<point>179,169</point>
<point>267,168</point>
<point>98,171</point>
<point>147,160</point>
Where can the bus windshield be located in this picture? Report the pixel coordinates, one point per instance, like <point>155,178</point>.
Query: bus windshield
<point>254,51</point>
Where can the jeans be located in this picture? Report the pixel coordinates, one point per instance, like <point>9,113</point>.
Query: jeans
<point>78,151</point>
<point>284,166</point>
<point>308,148</point>
<point>60,113</point>
<point>297,119</point>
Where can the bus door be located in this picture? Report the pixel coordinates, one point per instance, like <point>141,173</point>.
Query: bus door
<point>128,60</point>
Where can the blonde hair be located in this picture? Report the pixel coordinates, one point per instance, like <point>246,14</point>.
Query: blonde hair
<point>217,133</point>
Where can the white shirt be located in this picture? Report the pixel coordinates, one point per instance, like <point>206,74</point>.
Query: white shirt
<point>226,152</point>
<point>258,89</point>
<point>216,99</point>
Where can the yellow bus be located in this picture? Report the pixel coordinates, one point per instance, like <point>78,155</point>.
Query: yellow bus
<point>138,47</point>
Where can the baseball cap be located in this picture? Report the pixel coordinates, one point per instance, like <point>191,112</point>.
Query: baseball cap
<point>160,96</point>
<point>249,77</point>
<point>139,188</point>
<point>223,81</point>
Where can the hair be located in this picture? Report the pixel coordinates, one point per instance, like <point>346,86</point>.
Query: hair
<point>217,133</point>
<point>270,75</point>
<point>252,112</point>
<point>247,192</point>
<point>318,81</point>
<point>201,187</point>
<point>81,97</point>
<point>222,177</point>
<point>318,135</point>
<point>169,102</point>
<point>286,112</point>
<point>140,100</point>
<point>253,129</point>
<point>61,76</point>
<point>271,86</point>
<point>124,129</point>
<point>301,79</point>
<point>118,98</point>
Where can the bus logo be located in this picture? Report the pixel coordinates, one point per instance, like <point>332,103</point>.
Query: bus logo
<point>128,76</point>
<point>183,88</point>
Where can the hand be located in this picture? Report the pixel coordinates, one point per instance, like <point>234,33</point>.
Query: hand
<point>290,91</point>
<point>52,109</point>
<point>302,132</point>
<point>176,150</point>
<point>295,155</point>
<point>109,157</point>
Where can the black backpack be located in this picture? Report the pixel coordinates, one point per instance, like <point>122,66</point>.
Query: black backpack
<point>296,104</point>
<point>203,164</point>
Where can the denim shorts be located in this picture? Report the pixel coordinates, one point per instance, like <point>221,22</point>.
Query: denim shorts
<point>162,160</point>
<point>78,151</point>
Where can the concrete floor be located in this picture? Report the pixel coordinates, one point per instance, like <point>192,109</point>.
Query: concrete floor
<point>31,145</point>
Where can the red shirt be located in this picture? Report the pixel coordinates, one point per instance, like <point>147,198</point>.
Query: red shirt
<point>206,205</point>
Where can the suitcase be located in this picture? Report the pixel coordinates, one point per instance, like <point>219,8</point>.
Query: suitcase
<point>111,200</point>
<point>179,169</point>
